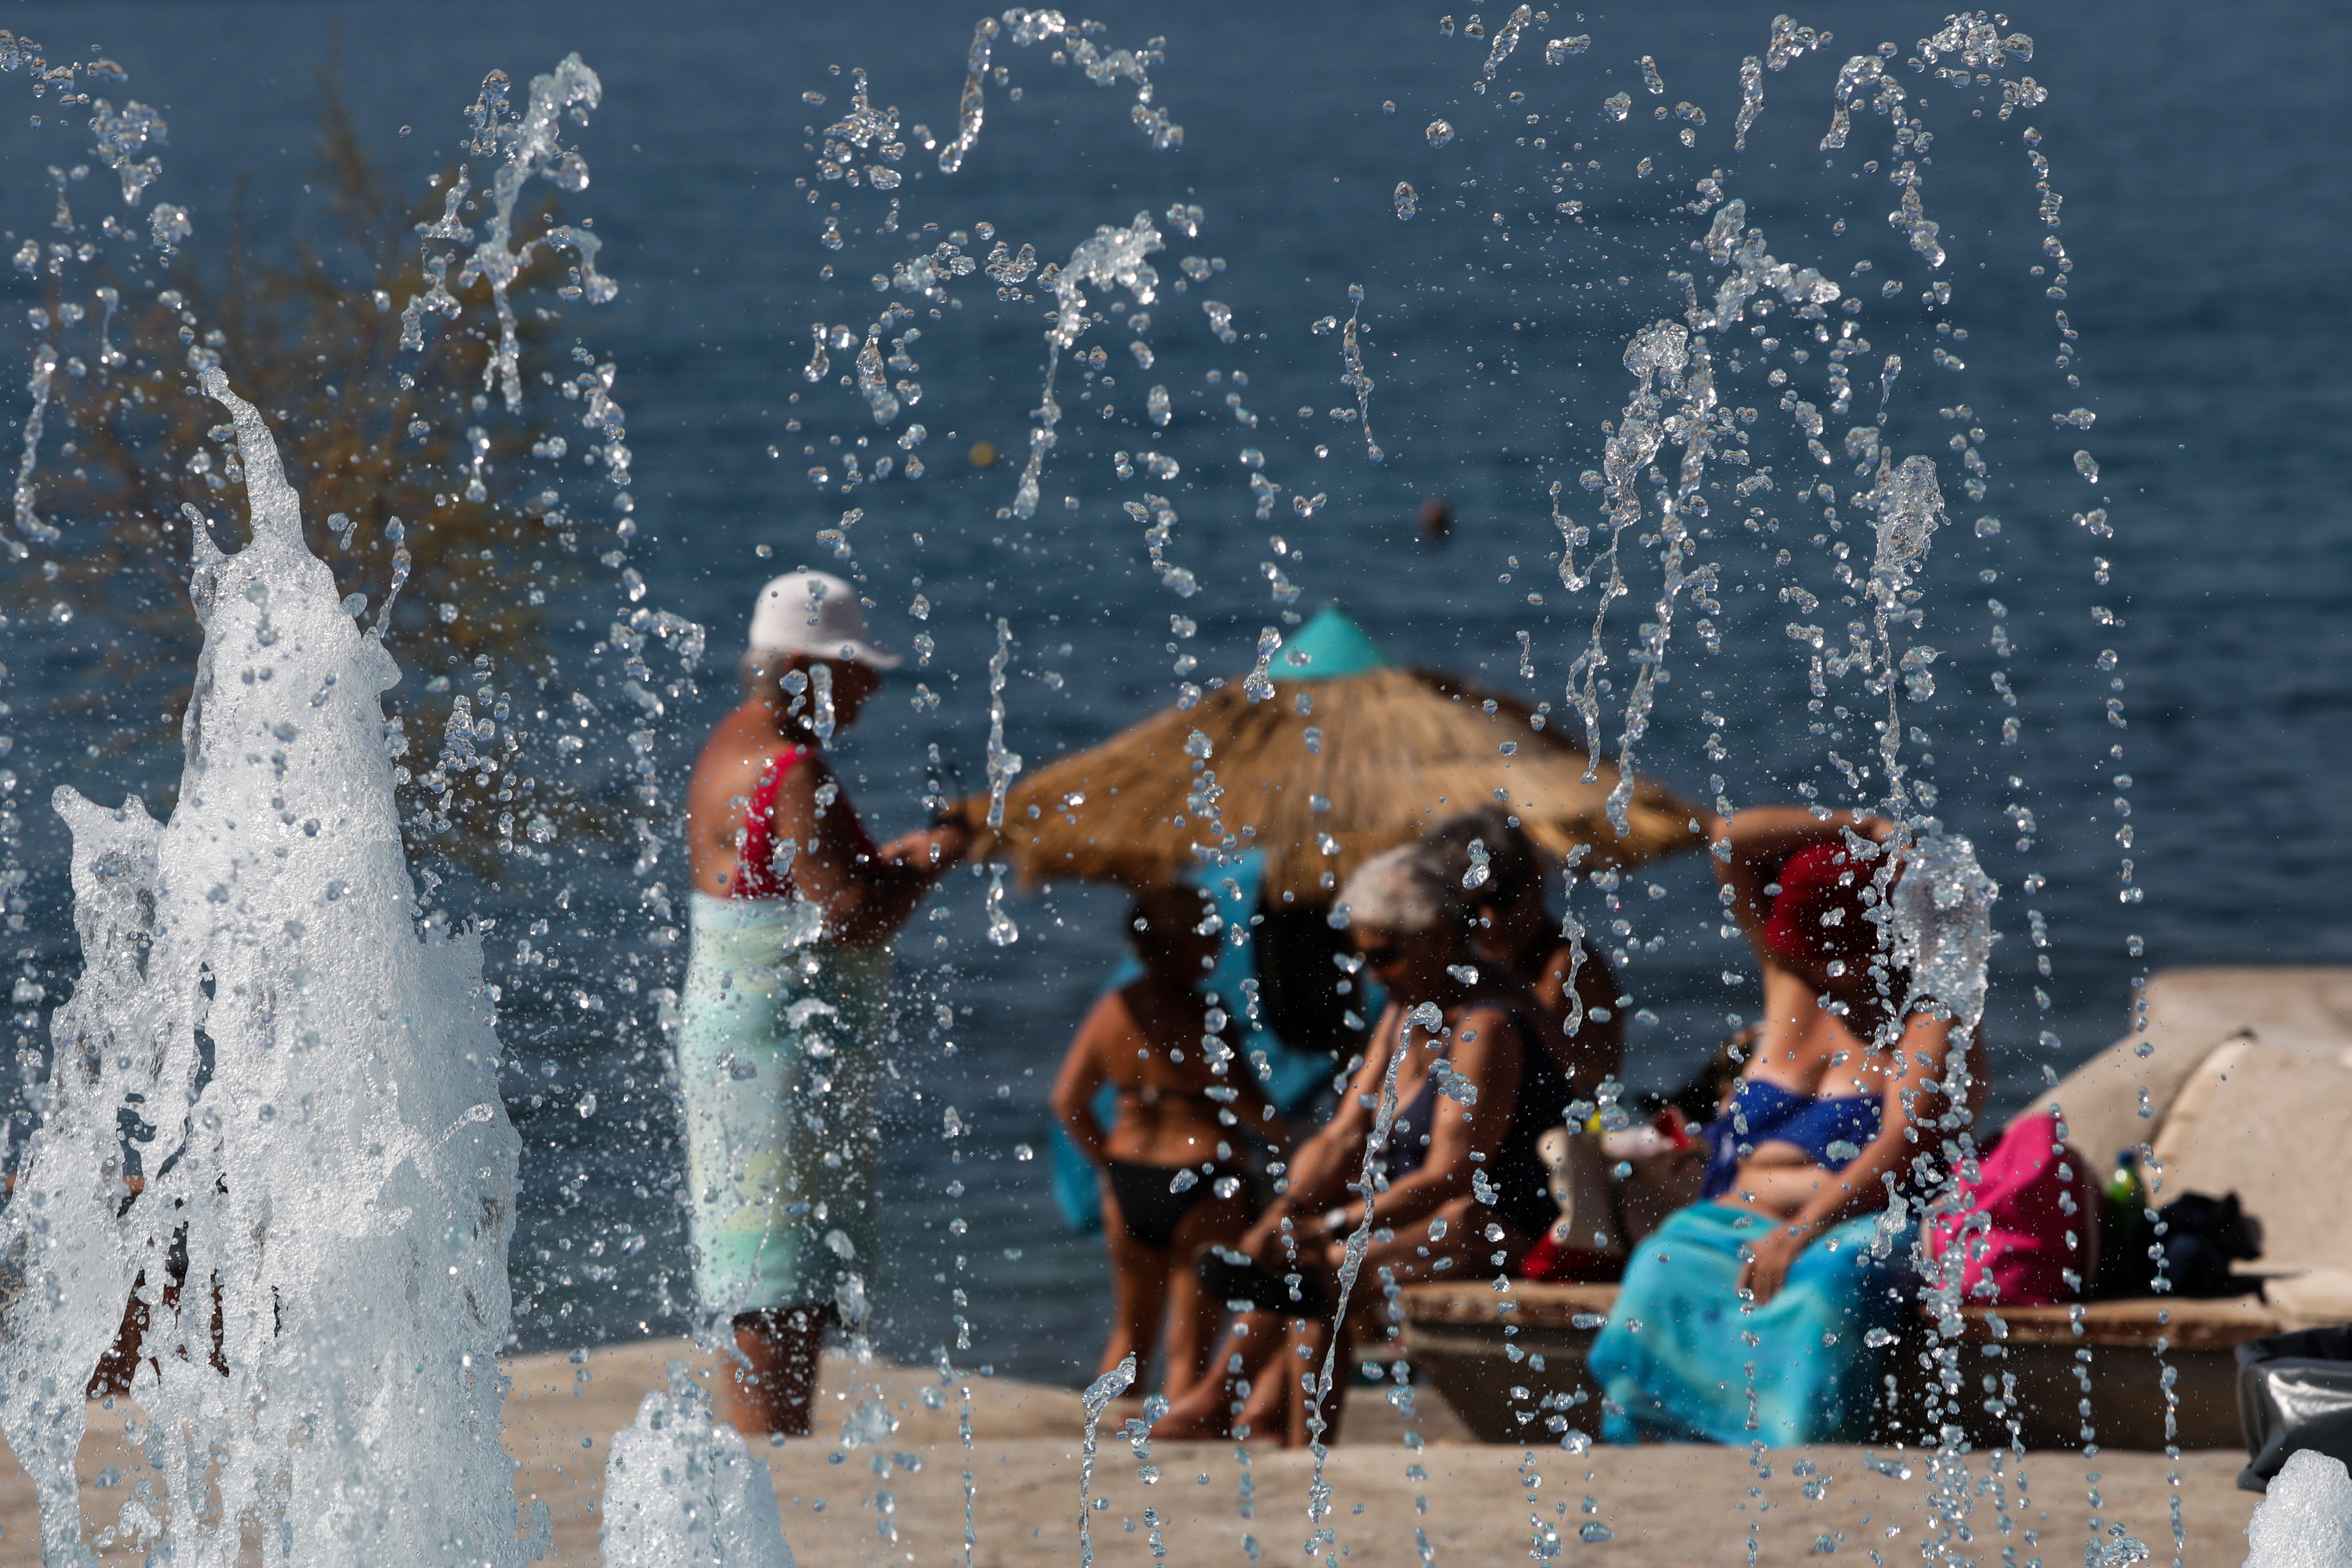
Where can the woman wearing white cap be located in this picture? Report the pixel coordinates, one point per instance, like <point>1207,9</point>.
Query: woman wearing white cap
<point>787,993</point>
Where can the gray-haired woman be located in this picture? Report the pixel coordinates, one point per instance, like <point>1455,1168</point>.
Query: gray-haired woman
<point>1456,1089</point>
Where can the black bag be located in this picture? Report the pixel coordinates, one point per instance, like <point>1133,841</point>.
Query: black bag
<point>2203,1237</point>
<point>2294,1391</point>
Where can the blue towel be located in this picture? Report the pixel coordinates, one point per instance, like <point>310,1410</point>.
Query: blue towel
<point>1675,1366</point>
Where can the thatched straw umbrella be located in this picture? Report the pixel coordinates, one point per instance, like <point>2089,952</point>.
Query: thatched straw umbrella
<point>1348,756</point>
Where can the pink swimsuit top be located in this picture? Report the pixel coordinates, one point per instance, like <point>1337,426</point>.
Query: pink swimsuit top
<point>755,862</point>
<point>756,875</point>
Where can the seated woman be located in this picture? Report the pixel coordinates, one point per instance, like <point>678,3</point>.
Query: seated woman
<point>1516,928</point>
<point>1441,1121</point>
<point>1746,1315</point>
<point>1172,1180</point>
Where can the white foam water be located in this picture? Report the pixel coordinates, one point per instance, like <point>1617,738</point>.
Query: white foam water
<point>302,1076</point>
<point>2304,1521</point>
<point>681,1490</point>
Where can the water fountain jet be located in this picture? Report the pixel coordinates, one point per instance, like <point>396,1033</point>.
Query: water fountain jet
<point>303,1078</point>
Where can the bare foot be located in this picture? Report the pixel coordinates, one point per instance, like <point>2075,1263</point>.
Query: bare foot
<point>1203,1413</point>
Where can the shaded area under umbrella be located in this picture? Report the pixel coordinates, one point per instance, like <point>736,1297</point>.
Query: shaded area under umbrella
<point>1350,754</point>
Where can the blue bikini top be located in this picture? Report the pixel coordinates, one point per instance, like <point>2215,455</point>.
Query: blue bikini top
<point>1762,1113</point>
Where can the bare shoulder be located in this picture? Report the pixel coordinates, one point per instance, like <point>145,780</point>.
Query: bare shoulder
<point>1109,1034</point>
<point>1489,1021</point>
<point>1115,1008</point>
<point>726,771</point>
<point>1109,1021</point>
<point>734,752</point>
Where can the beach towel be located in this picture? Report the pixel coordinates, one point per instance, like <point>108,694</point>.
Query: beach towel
<point>780,1067</point>
<point>1675,1361</point>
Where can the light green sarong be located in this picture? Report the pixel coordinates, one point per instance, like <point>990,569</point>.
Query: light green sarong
<point>780,1066</point>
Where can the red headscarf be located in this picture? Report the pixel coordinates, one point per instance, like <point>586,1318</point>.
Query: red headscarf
<point>1819,913</point>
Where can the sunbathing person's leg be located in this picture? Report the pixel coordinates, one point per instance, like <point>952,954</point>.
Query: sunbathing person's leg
<point>769,1390</point>
<point>1445,1245</point>
<point>1194,1312</point>
<point>1274,1404</point>
<point>1138,1283</point>
<point>1278,1406</point>
<point>1451,1243</point>
<point>1313,1409</point>
<point>1206,1410</point>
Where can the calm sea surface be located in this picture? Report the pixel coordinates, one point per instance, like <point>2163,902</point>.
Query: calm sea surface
<point>2205,212</point>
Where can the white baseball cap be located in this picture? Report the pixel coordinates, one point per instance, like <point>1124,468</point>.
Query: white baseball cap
<point>816,614</point>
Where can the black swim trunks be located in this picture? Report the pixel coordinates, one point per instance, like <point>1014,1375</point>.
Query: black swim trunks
<point>1152,1212</point>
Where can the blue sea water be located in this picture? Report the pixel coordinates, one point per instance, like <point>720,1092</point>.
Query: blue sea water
<point>2204,213</point>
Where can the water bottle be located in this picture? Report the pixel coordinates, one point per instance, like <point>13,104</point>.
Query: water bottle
<point>2123,1268</point>
<point>2124,1190</point>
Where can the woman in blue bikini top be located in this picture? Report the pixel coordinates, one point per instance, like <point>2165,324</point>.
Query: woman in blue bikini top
<point>1824,1111</point>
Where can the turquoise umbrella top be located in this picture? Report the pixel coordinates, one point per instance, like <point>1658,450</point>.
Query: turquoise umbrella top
<point>1328,647</point>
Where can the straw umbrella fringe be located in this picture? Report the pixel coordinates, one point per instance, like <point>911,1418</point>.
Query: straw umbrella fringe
<point>1320,778</point>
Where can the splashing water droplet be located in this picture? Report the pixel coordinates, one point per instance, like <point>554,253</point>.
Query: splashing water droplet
<point>1002,931</point>
<point>170,226</point>
<point>1439,133</point>
<point>1507,38</point>
<point>1094,1401</point>
<point>1751,100</point>
<point>2087,466</point>
<point>1408,202</point>
<point>1002,765</point>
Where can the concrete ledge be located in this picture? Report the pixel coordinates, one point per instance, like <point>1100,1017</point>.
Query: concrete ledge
<point>1455,1335</point>
<point>2138,1323</point>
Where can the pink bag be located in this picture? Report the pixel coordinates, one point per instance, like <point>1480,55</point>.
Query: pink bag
<point>2031,1220</point>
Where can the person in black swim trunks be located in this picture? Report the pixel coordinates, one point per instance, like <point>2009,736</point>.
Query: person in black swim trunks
<point>1469,1098</point>
<point>1170,1159</point>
